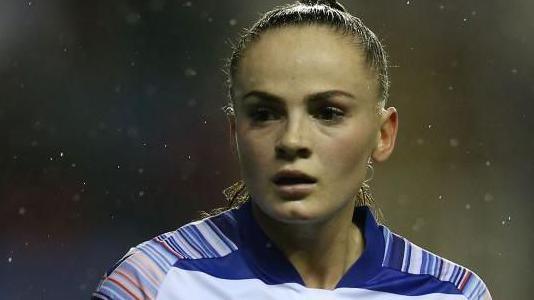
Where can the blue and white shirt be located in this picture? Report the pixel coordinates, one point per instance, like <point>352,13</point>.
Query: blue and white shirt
<point>228,256</point>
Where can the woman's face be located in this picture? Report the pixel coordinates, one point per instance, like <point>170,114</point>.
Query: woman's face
<point>306,101</point>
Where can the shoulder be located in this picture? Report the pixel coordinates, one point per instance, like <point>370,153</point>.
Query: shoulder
<point>140,273</point>
<point>404,256</point>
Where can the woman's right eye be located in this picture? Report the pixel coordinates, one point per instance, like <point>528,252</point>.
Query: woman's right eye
<point>262,114</point>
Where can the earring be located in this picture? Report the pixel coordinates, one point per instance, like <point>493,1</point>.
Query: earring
<point>371,172</point>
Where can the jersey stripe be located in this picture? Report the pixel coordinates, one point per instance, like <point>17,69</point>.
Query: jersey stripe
<point>418,261</point>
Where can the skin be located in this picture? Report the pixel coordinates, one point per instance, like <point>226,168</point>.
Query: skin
<point>305,99</point>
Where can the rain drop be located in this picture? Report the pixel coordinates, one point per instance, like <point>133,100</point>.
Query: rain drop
<point>190,72</point>
<point>22,210</point>
<point>507,221</point>
<point>10,259</point>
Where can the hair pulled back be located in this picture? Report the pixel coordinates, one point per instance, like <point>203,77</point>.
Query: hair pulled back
<point>309,12</point>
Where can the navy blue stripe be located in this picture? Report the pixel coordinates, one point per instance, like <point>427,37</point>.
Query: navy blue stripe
<point>220,234</point>
<point>397,253</point>
<point>204,241</point>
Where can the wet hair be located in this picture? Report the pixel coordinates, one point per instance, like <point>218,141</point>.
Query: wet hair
<point>309,12</point>
<point>319,12</point>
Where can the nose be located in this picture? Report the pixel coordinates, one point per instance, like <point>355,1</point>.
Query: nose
<point>293,142</point>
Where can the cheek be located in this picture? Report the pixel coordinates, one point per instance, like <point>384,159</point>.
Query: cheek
<point>348,154</point>
<point>254,153</point>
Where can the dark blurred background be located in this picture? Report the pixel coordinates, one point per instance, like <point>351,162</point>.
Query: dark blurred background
<point>111,132</point>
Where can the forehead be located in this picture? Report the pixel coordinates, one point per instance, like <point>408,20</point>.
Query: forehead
<point>293,60</point>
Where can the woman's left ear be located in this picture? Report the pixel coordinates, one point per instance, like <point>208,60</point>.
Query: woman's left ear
<point>389,124</point>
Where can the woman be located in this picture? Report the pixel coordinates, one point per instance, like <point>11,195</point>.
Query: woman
<point>308,86</point>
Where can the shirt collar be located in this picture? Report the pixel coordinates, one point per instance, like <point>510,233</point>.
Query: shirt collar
<point>271,265</point>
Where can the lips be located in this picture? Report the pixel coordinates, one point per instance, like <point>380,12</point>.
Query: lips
<point>293,184</point>
<point>291,177</point>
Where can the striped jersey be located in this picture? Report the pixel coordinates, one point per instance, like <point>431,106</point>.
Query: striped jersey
<point>228,256</point>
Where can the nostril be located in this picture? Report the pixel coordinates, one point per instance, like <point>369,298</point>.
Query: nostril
<point>285,152</point>
<point>303,152</point>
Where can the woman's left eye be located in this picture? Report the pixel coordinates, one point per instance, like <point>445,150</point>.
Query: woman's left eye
<point>329,113</point>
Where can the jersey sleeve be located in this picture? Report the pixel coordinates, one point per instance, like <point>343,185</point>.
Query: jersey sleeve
<point>138,275</point>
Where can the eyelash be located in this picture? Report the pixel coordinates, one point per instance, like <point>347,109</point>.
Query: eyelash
<point>265,114</point>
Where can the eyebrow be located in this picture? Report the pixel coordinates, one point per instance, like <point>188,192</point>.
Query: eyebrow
<point>313,97</point>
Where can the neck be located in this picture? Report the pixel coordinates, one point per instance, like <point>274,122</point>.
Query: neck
<point>321,252</point>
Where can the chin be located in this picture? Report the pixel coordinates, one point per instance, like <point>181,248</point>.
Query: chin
<point>293,211</point>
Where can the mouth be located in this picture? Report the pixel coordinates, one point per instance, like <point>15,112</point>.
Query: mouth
<point>293,184</point>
